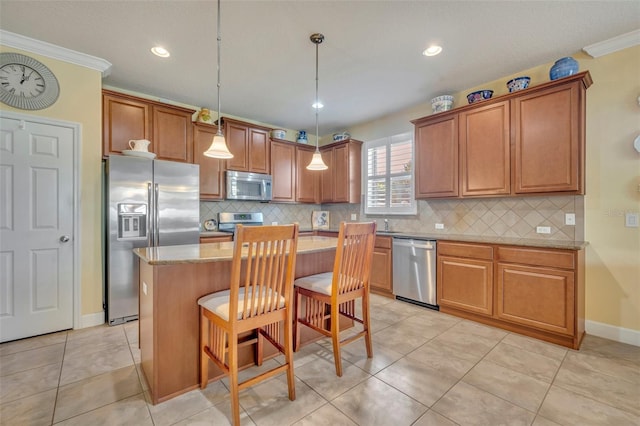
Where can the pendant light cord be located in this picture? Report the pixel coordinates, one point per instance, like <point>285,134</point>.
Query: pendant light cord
<point>317,101</point>
<point>219,132</point>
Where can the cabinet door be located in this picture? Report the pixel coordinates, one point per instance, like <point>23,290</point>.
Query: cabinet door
<point>307,181</point>
<point>237,137</point>
<point>124,119</point>
<point>465,284</point>
<point>283,171</point>
<point>341,175</point>
<point>172,134</point>
<point>549,140</point>
<point>381,268</point>
<point>437,158</point>
<point>538,297</point>
<point>327,182</point>
<point>211,169</point>
<point>485,160</point>
<point>259,161</point>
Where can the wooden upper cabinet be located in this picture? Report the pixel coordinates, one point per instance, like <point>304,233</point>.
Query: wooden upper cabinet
<point>168,127</point>
<point>123,118</point>
<point>172,133</point>
<point>283,171</point>
<point>436,150</point>
<point>249,145</point>
<point>526,142</point>
<point>211,169</point>
<point>485,160</point>
<point>341,182</point>
<point>549,140</point>
<point>307,181</point>
<point>327,177</point>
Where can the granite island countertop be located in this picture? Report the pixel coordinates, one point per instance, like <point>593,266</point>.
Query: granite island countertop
<point>218,252</point>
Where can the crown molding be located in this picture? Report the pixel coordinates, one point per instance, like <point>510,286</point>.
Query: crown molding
<point>43,48</point>
<point>613,44</point>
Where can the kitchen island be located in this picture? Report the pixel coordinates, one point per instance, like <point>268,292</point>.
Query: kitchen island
<point>171,280</point>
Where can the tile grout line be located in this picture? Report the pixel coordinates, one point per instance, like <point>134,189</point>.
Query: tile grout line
<point>55,402</point>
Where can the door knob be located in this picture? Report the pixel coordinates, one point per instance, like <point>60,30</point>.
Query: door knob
<point>64,238</point>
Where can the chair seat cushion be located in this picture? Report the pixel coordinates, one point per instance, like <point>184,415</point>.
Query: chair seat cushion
<point>320,283</point>
<point>218,302</point>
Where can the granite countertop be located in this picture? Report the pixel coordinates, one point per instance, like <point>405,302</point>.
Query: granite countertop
<point>218,252</point>
<point>527,242</point>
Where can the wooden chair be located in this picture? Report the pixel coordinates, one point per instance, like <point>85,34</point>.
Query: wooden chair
<point>258,300</point>
<point>330,295</point>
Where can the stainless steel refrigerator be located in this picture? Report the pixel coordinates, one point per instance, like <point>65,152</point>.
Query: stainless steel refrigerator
<point>149,203</point>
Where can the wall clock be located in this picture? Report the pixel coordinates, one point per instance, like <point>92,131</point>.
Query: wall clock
<point>26,83</point>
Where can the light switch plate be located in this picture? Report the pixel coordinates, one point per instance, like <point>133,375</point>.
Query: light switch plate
<point>631,220</point>
<point>543,229</point>
<point>439,225</point>
<point>354,216</point>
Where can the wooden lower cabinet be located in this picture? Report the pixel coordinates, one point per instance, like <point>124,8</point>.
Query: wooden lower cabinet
<point>381,281</point>
<point>536,297</point>
<point>469,284</point>
<point>537,292</point>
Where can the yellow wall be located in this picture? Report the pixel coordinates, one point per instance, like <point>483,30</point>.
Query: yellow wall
<point>613,180</point>
<point>80,101</point>
<point>613,177</point>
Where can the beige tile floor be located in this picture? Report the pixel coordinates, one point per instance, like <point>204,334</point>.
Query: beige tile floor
<point>428,368</point>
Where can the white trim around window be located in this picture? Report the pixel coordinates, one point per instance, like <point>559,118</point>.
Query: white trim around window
<point>388,175</point>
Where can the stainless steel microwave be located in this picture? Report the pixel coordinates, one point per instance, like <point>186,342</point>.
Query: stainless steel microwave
<point>248,186</point>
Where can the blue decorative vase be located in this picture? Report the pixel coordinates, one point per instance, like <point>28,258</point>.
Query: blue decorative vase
<point>563,68</point>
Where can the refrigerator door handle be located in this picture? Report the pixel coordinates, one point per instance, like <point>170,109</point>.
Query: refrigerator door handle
<point>150,224</point>
<point>156,231</point>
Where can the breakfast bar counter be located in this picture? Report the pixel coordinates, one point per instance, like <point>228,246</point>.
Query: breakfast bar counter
<point>171,280</point>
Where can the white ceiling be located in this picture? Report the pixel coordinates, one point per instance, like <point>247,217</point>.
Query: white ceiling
<point>370,62</point>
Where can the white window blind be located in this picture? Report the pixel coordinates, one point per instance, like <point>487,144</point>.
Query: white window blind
<point>388,173</point>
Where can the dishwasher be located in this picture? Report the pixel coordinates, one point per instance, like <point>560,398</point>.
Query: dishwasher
<point>414,271</point>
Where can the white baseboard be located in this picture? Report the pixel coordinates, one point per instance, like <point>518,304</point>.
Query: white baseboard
<point>619,334</point>
<point>91,320</point>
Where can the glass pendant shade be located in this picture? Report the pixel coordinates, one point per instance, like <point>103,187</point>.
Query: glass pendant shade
<point>316,162</point>
<point>218,148</point>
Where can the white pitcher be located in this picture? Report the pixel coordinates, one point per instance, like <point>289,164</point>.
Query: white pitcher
<point>139,145</point>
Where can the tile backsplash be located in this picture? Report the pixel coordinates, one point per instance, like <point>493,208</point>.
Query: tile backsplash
<point>503,217</point>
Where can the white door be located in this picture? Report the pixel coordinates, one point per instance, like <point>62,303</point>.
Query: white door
<point>36,225</point>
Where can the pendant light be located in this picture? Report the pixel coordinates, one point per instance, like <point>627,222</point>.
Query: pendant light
<point>218,148</point>
<point>316,160</point>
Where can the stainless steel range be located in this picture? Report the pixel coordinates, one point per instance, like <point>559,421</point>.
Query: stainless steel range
<point>227,221</point>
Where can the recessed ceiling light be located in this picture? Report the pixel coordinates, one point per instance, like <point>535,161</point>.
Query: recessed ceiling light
<point>317,105</point>
<point>160,51</point>
<point>432,51</point>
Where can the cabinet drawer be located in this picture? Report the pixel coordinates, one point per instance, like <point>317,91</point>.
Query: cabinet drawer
<point>383,242</point>
<point>537,257</point>
<point>475,251</point>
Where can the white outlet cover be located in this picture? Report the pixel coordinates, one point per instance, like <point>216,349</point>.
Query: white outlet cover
<point>354,216</point>
<point>543,230</point>
<point>570,219</point>
<point>631,220</point>
<point>439,225</point>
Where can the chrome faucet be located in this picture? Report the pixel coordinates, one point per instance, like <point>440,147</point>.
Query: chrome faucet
<point>386,225</point>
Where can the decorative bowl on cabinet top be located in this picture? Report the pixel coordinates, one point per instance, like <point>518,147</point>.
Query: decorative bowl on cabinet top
<point>518,83</point>
<point>479,95</point>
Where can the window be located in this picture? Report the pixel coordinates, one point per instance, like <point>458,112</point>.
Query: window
<point>388,176</point>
